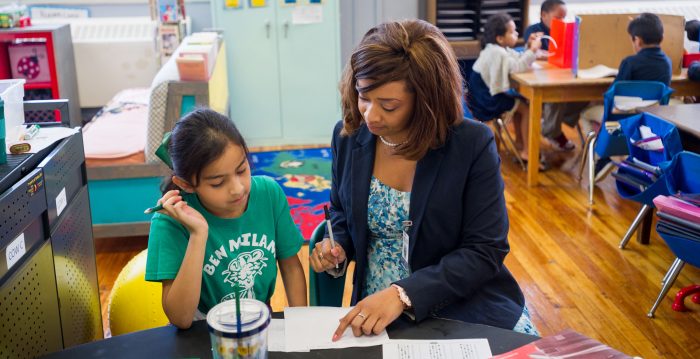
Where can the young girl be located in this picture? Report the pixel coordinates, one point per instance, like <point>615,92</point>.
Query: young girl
<point>489,92</point>
<point>220,229</point>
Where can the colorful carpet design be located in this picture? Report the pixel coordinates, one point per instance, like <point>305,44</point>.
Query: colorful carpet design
<point>305,177</point>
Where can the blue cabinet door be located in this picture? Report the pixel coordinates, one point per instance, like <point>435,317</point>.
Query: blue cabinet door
<point>309,57</point>
<point>253,72</point>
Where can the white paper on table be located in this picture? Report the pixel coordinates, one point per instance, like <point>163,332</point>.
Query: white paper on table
<point>275,336</point>
<point>437,349</point>
<point>44,138</point>
<point>313,328</point>
<point>304,15</point>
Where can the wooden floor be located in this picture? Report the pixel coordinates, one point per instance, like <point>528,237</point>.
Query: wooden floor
<point>565,257</point>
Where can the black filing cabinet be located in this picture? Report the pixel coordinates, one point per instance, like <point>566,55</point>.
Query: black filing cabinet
<point>49,298</point>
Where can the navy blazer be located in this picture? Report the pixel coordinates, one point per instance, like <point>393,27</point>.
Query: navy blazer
<point>458,239</point>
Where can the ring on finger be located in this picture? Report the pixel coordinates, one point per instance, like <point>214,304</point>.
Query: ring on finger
<point>320,256</point>
<point>362,316</point>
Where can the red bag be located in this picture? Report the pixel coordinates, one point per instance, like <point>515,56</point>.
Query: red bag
<point>563,34</point>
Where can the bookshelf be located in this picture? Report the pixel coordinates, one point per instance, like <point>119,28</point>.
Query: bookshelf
<point>462,20</point>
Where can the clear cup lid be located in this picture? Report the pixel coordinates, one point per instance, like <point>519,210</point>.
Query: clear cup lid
<point>255,317</point>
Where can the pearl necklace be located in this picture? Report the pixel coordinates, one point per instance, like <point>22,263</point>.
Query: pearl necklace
<point>390,144</point>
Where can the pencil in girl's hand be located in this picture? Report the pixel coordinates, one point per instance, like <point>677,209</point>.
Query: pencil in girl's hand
<point>153,209</point>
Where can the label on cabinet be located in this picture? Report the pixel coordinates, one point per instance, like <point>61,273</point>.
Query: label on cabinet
<point>61,202</point>
<point>304,15</point>
<point>15,251</point>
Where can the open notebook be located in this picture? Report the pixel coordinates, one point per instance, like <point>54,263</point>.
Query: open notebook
<point>596,72</point>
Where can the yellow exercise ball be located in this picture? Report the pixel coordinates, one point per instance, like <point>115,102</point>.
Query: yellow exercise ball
<point>134,303</point>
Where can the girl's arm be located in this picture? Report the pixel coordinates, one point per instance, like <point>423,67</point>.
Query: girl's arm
<point>294,280</point>
<point>181,295</point>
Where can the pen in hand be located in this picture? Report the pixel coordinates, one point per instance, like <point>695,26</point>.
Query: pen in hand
<point>153,209</point>
<point>330,230</point>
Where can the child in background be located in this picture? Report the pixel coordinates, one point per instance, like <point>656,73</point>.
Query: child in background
<point>220,229</point>
<point>550,9</point>
<point>649,63</point>
<point>554,114</point>
<point>692,30</point>
<point>489,92</point>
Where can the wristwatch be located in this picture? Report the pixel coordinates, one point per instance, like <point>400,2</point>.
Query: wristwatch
<point>403,297</point>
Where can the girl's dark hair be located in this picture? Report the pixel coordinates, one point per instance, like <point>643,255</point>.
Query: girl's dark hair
<point>496,25</point>
<point>198,139</point>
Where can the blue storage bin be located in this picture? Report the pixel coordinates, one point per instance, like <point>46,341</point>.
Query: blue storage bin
<point>672,145</point>
<point>682,247</point>
<point>607,144</point>
<point>682,174</point>
<point>668,133</point>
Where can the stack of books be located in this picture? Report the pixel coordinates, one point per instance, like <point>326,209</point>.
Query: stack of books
<point>567,344</point>
<point>679,215</point>
<point>636,173</point>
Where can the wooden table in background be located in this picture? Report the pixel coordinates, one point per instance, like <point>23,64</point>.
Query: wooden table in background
<point>686,117</point>
<point>549,84</point>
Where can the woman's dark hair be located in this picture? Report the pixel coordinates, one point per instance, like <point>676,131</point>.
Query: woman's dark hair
<point>198,139</point>
<point>416,52</point>
<point>647,27</point>
<point>496,25</point>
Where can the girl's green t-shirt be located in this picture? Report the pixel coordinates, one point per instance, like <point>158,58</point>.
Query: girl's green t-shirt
<point>240,251</point>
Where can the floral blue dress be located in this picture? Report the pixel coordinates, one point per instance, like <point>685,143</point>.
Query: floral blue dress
<point>387,208</point>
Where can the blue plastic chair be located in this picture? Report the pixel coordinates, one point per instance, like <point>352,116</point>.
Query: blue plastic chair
<point>324,290</point>
<point>672,145</point>
<point>681,175</point>
<point>605,144</point>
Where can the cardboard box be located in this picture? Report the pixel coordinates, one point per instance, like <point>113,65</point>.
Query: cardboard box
<point>192,68</point>
<point>603,40</point>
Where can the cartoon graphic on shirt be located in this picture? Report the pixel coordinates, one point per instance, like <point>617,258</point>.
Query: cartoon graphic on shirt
<point>242,271</point>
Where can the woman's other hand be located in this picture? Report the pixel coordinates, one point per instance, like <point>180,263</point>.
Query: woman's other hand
<point>324,258</point>
<point>373,314</point>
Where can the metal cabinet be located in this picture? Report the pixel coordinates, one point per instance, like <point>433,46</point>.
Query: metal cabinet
<point>283,73</point>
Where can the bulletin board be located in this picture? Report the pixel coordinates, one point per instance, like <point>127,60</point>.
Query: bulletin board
<point>604,40</point>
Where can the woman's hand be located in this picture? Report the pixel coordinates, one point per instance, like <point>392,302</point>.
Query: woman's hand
<point>323,257</point>
<point>175,207</point>
<point>373,314</point>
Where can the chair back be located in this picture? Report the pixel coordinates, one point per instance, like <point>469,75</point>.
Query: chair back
<point>609,144</point>
<point>134,303</point>
<point>670,138</point>
<point>683,173</point>
<point>324,290</point>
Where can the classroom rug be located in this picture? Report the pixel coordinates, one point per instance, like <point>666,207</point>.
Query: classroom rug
<point>305,177</point>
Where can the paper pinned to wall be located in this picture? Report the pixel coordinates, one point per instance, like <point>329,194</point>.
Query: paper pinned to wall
<point>304,15</point>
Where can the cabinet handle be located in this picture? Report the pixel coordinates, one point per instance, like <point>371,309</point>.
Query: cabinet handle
<point>267,28</point>
<point>286,28</point>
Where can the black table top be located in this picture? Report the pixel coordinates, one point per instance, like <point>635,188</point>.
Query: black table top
<point>169,342</point>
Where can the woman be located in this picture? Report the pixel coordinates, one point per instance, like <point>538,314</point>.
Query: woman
<point>417,194</point>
